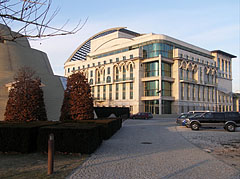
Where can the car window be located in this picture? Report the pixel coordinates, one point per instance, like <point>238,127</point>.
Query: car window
<point>208,115</point>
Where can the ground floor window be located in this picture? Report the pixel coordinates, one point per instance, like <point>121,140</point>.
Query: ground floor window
<point>152,106</point>
<point>166,107</point>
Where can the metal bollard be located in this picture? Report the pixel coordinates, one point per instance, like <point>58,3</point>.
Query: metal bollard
<point>50,154</point>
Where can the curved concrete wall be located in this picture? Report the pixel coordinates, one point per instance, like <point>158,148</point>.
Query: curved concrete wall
<point>14,55</point>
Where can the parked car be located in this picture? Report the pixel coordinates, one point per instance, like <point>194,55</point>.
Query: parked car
<point>181,120</point>
<point>229,120</point>
<point>142,115</point>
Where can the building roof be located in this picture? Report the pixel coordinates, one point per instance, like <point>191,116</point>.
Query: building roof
<point>81,52</point>
<point>224,53</point>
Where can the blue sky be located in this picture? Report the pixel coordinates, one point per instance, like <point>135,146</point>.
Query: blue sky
<point>209,24</point>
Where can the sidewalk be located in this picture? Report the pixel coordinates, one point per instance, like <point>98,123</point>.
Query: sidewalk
<point>151,149</point>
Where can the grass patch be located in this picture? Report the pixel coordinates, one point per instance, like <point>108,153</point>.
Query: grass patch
<point>34,165</point>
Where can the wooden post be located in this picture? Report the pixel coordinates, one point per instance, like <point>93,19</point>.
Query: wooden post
<point>50,154</point>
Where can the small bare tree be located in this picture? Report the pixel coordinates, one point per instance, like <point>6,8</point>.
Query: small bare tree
<point>32,18</point>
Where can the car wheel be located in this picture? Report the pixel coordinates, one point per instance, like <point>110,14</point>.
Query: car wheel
<point>134,117</point>
<point>230,127</point>
<point>195,126</point>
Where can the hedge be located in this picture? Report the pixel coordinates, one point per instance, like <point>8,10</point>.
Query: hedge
<point>70,137</point>
<point>20,136</point>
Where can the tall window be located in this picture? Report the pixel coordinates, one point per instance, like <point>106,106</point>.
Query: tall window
<point>151,88</point>
<point>110,92</point>
<point>193,92</point>
<point>226,66</point>
<point>98,92</point>
<point>104,92</point>
<point>108,79</point>
<point>91,73</point>
<point>166,88</point>
<point>208,94</point>
<point>201,74</point>
<point>188,91</point>
<point>203,93</point>
<point>181,73</point>
<point>212,94</point>
<point>131,72</point>
<point>117,91</point>
<point>182,91</point>
<point>222,65</point>
<point>131,90</point>
<point>91,81</point>
<point>117,74</point>
<point>117,59</point>
<point>218,64</point>
<point>193,75</point>
<point>198,93</point>
<point>151,69</point>
<point>166,69</point>
<point>124,73</point>
<point>108,70</point>
<point>187,75</point>
<point>124,91</point>
<point>98,77</point>
<point>104,75</point>
<point>92,91</point>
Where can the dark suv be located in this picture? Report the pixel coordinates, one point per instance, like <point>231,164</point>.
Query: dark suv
<point>229,120</point>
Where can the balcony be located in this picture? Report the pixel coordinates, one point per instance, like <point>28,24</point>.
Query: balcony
<point>188,80</point>
<point>120,80</point>
<point>210,83</point>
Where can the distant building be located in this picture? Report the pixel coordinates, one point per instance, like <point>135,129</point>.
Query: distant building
<point>153,73</point>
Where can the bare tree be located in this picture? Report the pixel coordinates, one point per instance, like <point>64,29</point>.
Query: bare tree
<point>32,18</point>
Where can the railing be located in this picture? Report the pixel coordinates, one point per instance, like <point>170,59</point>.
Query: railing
<point>123,79</point>
<point>190,80</point>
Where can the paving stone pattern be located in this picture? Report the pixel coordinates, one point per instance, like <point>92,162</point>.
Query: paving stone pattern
<point>151,149</point>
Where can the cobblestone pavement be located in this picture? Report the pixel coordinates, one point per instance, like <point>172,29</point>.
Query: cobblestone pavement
<point>152,149</point>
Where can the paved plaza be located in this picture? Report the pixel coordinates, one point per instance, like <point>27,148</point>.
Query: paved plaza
<point>152,149</point>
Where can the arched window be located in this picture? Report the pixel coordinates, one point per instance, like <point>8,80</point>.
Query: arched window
<point>131,72</point>
<point>117,74</point>
<point>104,75</point>
<point>187,75</point>
<point>108,79</point>
<point>98,77</point>
<point>124,73</point>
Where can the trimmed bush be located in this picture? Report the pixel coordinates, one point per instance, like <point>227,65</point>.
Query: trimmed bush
<point>71,137</point>
<point>108,127</point>
<point>20,136</point>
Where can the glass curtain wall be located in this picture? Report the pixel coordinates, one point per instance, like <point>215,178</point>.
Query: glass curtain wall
<point>151,88</point>
<point>151,69</point>
<point>166,88</point>
<point>166,69</point>
<point>166,107</point>
<point>152,106</point>
<point>155,49</point>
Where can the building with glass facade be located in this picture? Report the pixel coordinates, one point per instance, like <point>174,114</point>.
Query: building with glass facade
<point>153,73</point>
